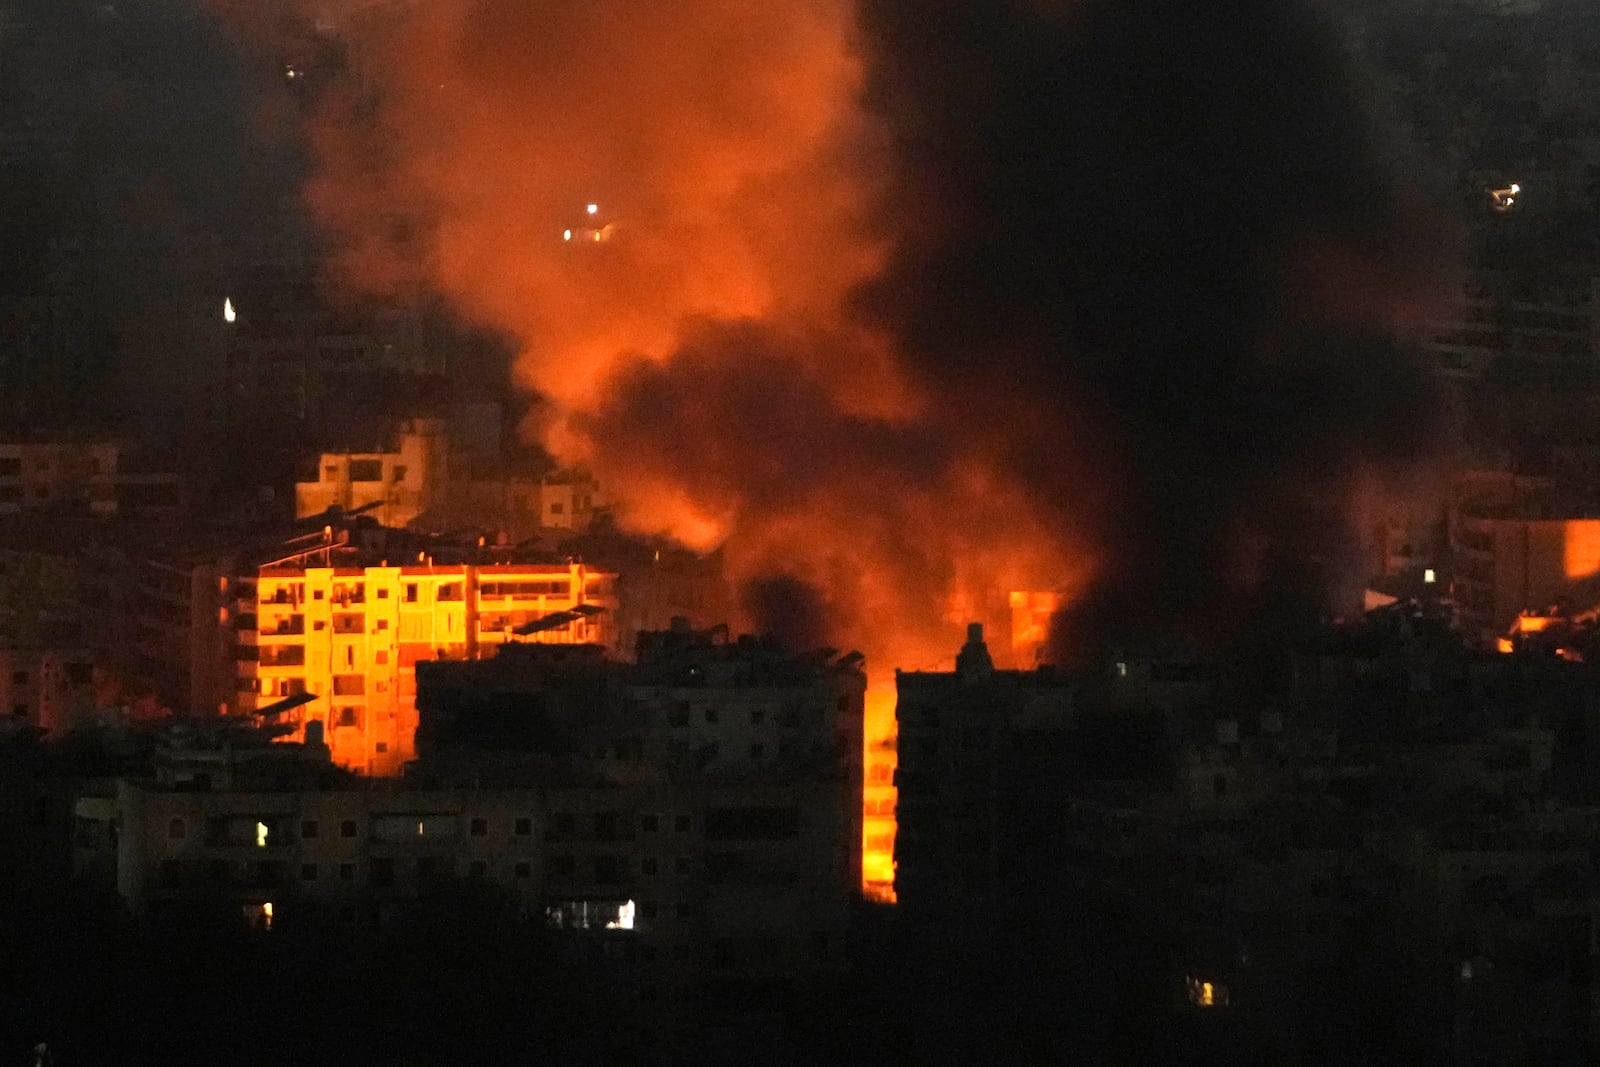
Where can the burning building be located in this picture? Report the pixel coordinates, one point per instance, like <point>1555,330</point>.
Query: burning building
<point>858,330</point>
<point>353,635</point>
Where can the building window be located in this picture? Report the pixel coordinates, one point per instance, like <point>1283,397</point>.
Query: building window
<point>347,717</point>
<point>347,828</point>
<point>523,827</point>
<point>411,592</point>
<point>20,710</point>
<point>607,870</point>
<point>477,869</point>
<point>563,865</point>
<point>757,716</point>
<point>711,715</point>
<point>681,823</point>
<point>308,872</point>
<point>480,827</point>
<point>556,508</point>
<point>308,829</point>
<point>649,823</point>
<point>366,470</point>
<point>1219,786</point>
<point>176,830</point>
<point>564,822</point>
<point>399,473</point>
<point>382,747</point>
<point>681,865</point>
<point>381,656</point>
<point>757,751</point>
<point>316,594</point>
<point>19,677</point>
<point>382,624</point>
<point>524,869</point>
<point>347,872</point>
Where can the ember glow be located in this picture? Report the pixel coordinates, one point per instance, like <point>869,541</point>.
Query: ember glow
<point>856,326</point>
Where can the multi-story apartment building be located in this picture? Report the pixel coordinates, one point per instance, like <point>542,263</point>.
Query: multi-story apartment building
<point>958,782</point>
<point>430,472</point>
<point>716,785</point>
<point>1515,556</point>
<point>353,636</point>
<point>86,477</point>
<point>394,486</point>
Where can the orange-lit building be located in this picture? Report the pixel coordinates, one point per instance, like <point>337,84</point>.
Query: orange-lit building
<point>434,473</point>
<point>1519,556</point>
<point>352,635</point>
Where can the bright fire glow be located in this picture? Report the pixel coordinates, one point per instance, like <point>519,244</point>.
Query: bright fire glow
<point>711,368</point>
<point>878,795</point>
<point>228,314</point>
<point>261,835</point>
<point>624,919</point>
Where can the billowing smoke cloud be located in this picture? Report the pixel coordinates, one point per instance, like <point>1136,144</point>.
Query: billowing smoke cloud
<point>1165,266</point>
<point>914,303</point>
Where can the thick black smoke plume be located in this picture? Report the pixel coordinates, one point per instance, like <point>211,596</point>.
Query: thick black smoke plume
<point>1149,251</point>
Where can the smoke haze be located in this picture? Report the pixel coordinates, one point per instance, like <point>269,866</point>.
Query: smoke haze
<point>912,304</point>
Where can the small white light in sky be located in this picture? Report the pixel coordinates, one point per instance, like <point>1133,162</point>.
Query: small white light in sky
<point>593,208</point>
<point>228,314</point>
<point>566,235</point>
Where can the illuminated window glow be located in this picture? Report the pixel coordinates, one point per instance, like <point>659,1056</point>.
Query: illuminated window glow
<point>591,914</point>
<point>1204,994</point>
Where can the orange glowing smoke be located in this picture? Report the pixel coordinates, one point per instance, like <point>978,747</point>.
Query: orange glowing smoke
<point>702,358</point>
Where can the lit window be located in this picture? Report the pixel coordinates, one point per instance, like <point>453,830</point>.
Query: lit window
<point>1429,577</point>
<point>1204,994</point>
<point>262,833</point>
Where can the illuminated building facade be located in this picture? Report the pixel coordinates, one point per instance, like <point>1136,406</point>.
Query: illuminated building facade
<point>353,636</point>
<point>394,486</point>
<point>431,472</point>
<point>1517,556</point>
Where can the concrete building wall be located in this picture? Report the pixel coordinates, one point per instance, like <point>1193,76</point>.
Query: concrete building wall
<point>1504,566</point>
<point>353,636</point>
